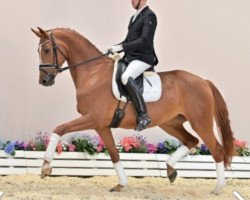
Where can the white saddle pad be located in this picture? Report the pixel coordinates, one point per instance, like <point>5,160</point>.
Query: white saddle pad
<point>151,92</point>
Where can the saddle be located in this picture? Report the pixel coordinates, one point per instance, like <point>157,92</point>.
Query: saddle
<point>149,84</point>
<point>121,67</point>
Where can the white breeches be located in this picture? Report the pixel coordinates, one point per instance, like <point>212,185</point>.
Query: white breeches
<point>134,69</point>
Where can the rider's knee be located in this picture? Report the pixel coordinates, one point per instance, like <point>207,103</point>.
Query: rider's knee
<point>124,79</point>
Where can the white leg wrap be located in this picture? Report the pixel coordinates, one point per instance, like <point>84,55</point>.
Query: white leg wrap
<point>221,181</point>
<point>49,154</point>
<point>177,155</point>
<point>120,173</point>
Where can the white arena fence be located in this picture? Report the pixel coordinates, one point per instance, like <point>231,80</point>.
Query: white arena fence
<point>135,164</point>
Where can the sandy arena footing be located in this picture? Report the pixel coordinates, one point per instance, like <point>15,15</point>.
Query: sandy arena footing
<point>32,187</point>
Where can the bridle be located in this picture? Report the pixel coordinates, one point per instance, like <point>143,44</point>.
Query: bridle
<point>55,48</point>
<point>55,63</point>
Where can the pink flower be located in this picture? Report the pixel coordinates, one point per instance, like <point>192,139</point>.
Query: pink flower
<point>59,148</point>
<point>101,143</point>
<point>72,147</point>
<point>46,139</point>
<point>240,144</point>
<point>31,144</point>
<point>99,148</point>
<point>151,148</point>
<point>129,143</point>
<point>25,145</point>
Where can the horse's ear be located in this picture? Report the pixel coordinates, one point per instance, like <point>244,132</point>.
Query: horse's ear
<point>43,33</point>
<point>37,33</point>
<point>40,33</point>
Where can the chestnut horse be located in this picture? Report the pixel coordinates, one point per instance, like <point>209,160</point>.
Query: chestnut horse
<point>185,97</point>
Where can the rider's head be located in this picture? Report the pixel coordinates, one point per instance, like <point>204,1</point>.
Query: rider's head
<point>137,4</point>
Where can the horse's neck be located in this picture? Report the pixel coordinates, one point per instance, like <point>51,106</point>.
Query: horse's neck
<point>80,49</point>
<point>91,74</point>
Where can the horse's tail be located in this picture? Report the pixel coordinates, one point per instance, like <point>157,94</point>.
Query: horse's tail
<point>223,122</point>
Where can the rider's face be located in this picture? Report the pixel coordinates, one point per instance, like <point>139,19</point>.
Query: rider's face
<point>134,3</point>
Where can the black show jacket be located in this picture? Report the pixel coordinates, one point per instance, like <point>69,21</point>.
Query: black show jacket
<point>139,42</point>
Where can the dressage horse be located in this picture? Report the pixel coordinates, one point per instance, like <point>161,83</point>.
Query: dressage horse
<point>185,97</point>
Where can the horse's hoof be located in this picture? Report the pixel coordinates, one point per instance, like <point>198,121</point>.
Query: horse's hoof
<point>46,170</point>
<point>217,190</point>
<point>117,188</point>
<point>172,177</point>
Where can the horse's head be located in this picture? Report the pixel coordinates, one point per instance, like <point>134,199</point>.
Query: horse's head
<point>52,53</point>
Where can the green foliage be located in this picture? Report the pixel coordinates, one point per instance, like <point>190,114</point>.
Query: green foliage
<point>141,149</point>
<point>84,145</point>
<point>40,146</point>
<point>170,145</point>
<point>243,151</point>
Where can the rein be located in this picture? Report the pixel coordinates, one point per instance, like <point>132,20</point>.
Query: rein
<point>55,58</point>
<point>83,62</point>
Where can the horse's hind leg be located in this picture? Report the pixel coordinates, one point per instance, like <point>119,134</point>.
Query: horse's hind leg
<point>203,126</point>
<point>176,129</point>
<point>108,139</point>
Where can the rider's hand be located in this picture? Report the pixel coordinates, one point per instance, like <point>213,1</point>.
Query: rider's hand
<point>114,49</point>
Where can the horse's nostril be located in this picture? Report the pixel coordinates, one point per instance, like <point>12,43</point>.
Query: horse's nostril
<point>44,81</point>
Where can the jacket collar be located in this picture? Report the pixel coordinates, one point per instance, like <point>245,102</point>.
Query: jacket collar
<point>140,14</point>
<point>141,9</point>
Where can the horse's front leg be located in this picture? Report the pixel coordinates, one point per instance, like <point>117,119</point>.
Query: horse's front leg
<point>108,139</point>
<point>82,123</point>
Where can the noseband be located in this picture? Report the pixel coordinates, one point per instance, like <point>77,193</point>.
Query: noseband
<point>55,63</point>
<point>55,55</point>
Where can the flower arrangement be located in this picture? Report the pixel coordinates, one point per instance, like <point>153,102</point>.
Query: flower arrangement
<point>40,142</point>
<point>167,147</point>
<point>89,144</point>
<point>136,144</point>
<point>241,149</point>
<point>9,148</point>
<point>202,150</point>
<point>94,144</point>
<point>131,144</point>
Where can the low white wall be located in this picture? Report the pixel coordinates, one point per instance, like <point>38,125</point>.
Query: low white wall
<point>209,38</point>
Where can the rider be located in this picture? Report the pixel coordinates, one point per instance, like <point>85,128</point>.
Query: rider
<point>139,53</point>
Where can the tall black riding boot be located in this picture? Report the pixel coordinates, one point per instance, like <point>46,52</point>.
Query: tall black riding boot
<point>136,97</point>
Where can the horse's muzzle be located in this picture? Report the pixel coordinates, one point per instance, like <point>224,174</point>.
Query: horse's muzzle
<point>48,80</point>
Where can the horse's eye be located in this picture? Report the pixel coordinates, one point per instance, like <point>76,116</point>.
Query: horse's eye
<point>46,50</point>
